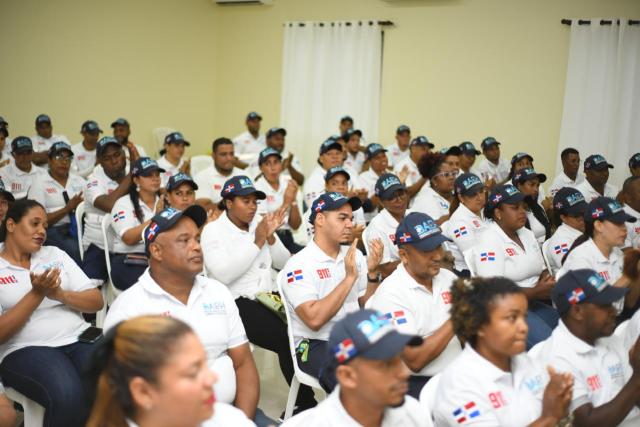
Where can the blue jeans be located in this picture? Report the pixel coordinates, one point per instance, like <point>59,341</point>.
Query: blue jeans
<point>55,378</point>
<point>60,237</point>
<point>542,320</point>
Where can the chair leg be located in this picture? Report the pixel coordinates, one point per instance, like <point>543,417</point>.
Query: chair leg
<point>291,399</point>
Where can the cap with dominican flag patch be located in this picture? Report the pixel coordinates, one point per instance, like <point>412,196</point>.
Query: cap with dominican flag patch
<point>331,202</point>
<point>420,231</point>
<point>166,219</point>
<point>584,285</point>
<point>607,209</point>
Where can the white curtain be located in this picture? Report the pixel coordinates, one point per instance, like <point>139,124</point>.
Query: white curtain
<point>602,94</point>
<point>329,70</point>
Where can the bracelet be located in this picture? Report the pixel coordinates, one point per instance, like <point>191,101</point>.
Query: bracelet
<point>376,278</point>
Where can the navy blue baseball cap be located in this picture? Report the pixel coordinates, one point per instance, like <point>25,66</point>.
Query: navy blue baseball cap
<point>569,201</point>
<point>240,186</point>
<point>387,185</point>
<point>596,162</point>
<point>451,151</point>
<point>175,138</point>
<point>607,209</point>
<point>90,126</point>
<point>373,150</point>
<point>420,231</point>
<point>275,131</point>
<point>330,143</point>
<point>59,146</point>
<point>254,116</point>
<point>5,193</point>
<point>43,118</point>
<point>120,122</point>
<point>368,334</point>
<point>488,142</point>
<point>506,193</point>
<point>335,171</point>
<point>346,118</point>
<point>166,219</point>
<point>105,142</point>
<point>468,184</point>
<point>634,161</point>
<point>21,143</point>
<point>144,166</point>
<point>266,153</point>
<point>178,179</point>
<point>350,132</point>
<point>527,174</point>
<point>468,148</point>
<point>519,156</point>
<point>403,129</point>
<point>421,140</point>
<point>330,202</point>
<point>584,285</point>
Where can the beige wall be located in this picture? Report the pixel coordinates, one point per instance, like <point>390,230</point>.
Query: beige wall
<point>453,69</point>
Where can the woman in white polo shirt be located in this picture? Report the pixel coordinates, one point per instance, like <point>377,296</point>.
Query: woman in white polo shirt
<point>466,221</point>
<point>172,154</point>
<point>506,248</point>
<point>181,191</point>
<point>130,215</point>
<point>528,181</point>
<point>493,382</point>
<point>43,294</point>
<point>435,199</point>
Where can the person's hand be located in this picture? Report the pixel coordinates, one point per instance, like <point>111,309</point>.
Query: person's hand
<point>350,265</point>
<point>557,394</point>
<point>286,163</point>
<point>490,183</point>
<point>290,192</point>
<point>160,205</point>
<point>547,203</point>
<point>357,230</point>
<point>274,220</point>
<point>74,202</point>
<point>133,151</point>
<point>213,213</point>
<point>4,162</point>
<point>404,174</point>
<point>43,284</point>
<point>362,194</point>
<point>262,232</point>
<point>545,284</point>
<point>186,167</point>
<point>374,255</point>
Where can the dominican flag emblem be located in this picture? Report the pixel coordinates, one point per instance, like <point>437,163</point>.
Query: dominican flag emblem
<point>345,350</point>
<point>487,256</point>
<point>397,317</point>
<point>575,296</point>
<point>229,188</point>
<point>497,198</point>
<point>405,237</point>
<point>294,276</point>
<point>320,205</point>
<point>151,232</point>
<point>466,412</point>
<point>118,216</point>
<point>597,213</point>
<point>459,232</point>
<point>561,249</point>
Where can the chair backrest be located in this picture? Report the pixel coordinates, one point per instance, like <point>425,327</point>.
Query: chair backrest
<point>547,263</point>
<point>468,259</point>
<point>107,241</point>
<point>158,136</point>
<point>200,163</point>
<point>287,311</point>
<point>428,393</point>
<point>80,224</point>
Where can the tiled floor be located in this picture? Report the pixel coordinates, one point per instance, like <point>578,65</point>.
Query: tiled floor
<point>273,387</point>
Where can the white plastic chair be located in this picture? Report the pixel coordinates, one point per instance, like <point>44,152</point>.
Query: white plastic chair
<point>158,136</point>
<point>200,163</point>
<point>33,411</point>
<point>109,291</point>
<point>428,394</point>
<point>80,224</point>
<point>299,376</point>
<point>547,263</point>
<point>468,259</point>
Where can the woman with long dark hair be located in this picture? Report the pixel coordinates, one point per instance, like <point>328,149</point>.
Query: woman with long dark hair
<point>172,156</point>
<point>528,181</point>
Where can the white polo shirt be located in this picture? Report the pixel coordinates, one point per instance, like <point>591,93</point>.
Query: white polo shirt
<point>19,182</point>
<point>599,371</point>
<point>536,227</point>
<point>499,172</point>
<point>414,173</point>
<point>354,162</point>
<point>232,257</point>
<point>170,169</point>
<point>330,412</point>
<point>314,185</point>
<point>210,311</point>
<point>416,311</point>
<point>473,391</point>
<point>275,198</point>
<point>395,155</point>
<point>83,160</point>
<point>428,201</point>
<point>52,324</point>
<point>245,143</point>
<point>590,193</point>
<point>587,255</point>
<point>562,180</point>
<point>383,226</point>
<point>98,184</point>
<point>367,180</point>
<point>210,183</point>
<point>559,244</point>
<point>311,275</point>
<point>463,228</point>
<point>41,144</point>
<point>632,331</point>
<point>48,192</point>
<point>633,229</point>
<point>123,218</point>
<point>495,254</point>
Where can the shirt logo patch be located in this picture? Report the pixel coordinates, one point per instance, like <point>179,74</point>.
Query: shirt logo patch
<point>51,190</point>
<point>271,199</point>
<point>459,232</point>
<point>604,275</point>
<point>616,373</point>
<point>575,296</point>
<point>8,280</point>
<point>466,412</point>
<point>476,223</point>
<point>392,237</point>
<point>561,249</point>
<point>487,256</point>
<point>92,184</point>
<point>118,216</point>
<point>511,252</point>
<point>446,297</point>
<point>496,399</point>
<point>594,382</point>
<point>217,186</point>
<point>396,317</point>
<point>534,385</point>
<point>217,307</point>
<point>294,276</point>
<point>15,186</point>
<point>324,273</point>
<point>344,350</point>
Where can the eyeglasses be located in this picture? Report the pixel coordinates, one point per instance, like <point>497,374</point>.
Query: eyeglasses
<point>446,174</point>
<point>62,158</point>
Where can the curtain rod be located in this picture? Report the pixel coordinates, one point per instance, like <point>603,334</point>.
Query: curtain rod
<point>602,22</point>
<point>348,24</point>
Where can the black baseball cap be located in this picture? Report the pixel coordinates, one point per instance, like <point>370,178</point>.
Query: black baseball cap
<point>175,138</point>
<point>468,148</point>
<point>451,151</point>
<point>420,231</point>
<point>596,162</point>
<point>104,143</point>
<point>178,179</point>
<point>527,174</point>
<point>120,122</point>
<point>144,166</point>
<point>634,161</point>
<point>505,193</point>
<point>519,156</point>
<point>468,184</point>
<point>607,209</point>
<point>43,118</point>
<point>346,118</point>
<point>368,334</point>
<point>373,150</point>
<point>569,201</point>
<point>350,132</point>
<point>266,153</point>
<point>275,131</point>
<point>166,219</point>
<point>240,186</point>
<point>330,144</point>
<point>387,185</point>
<point>330,202</point>
<point>59,146</point>
<point>3,122</point>
<point>253,116</point>
<point>403,129</point>
<point>584,285</point>
<point>421,140</point>
<point>335,171</point>
<point>488,142</point>
<point>6,193</point>
<point>21,143</point>
<point>90,126</point>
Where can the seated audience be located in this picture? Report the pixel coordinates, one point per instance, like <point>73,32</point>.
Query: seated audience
<point>595,184</point>
<point>44,138</point>
<point>528,181</point>
<point>570,175</point>
<point>84,152</point>
<point>19,175</point>
<point>493,168</point>
<point>435,199</point>
<point>168,386</point>
<point>408,167</point>
<point>330,156</point>
<point>172,156</point>
<point>416,298</point>
<point>41,318</point>
<point>400,149</point>
<point>372,378</point>
<point>494,382</point>
<point>122,132</point>
<point>211,179</point>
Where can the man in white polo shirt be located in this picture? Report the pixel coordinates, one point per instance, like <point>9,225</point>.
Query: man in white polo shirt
<point>211,179</point>
<point>122,132</point>
<point>400,150</point>
<point>325,281</point>
<point>596,171</point>
<point>494,167</point>
<point>417,298</point>
<point>570,175</point>
<point>173,286</point>
<point>330,155</point>
<point>606,387</point>
<point>366,357</point>
<point>409,165</point>
<point>43,139</point>
<point>19,175</point>
<point>84,152</point>
<point>250,141</point>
